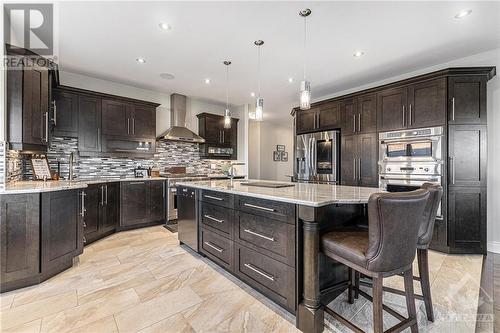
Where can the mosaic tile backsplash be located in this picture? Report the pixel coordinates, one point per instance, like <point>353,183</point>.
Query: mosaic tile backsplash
<point>167,154</point>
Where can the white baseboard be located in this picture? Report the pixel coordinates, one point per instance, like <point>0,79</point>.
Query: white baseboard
<point>493,247</point>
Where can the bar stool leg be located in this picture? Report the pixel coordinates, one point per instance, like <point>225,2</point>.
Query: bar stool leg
<point>378,315</point>
<point>423,268</point>
<point>356,284</point>
<point>410,299</point>
<point>351,284</point>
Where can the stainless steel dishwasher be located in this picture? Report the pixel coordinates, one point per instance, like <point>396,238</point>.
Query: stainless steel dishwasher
<point>186,217</point>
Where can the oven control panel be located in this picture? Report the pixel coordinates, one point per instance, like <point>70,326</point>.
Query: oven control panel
<point>431,169</point>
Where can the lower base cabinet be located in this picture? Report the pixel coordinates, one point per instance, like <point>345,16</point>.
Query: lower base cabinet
<point>101,203</point>
<point>142,203</point>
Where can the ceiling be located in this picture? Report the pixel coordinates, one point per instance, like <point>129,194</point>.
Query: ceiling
<point>103,40</point>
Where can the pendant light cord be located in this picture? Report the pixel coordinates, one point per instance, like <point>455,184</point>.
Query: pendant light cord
<point>258,73</point>
<point>305,48</point>
<point>227,86</point>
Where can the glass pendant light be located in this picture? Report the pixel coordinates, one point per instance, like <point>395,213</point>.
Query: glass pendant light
<point>305,86</point>
<point>259,102</point>
<point>227,112</point>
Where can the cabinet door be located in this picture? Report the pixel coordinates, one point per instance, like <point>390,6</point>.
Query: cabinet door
<point>367,114</point>
<point>111,205</point>
<point>306,121</point>
<point>135,203</point>
<point>427,104</point>
<point>143,122</point>
<point>350,110</point>
<point>213,129</point>
<point>330,116</point>
<point>467,100</point>
<point>89,124</point>
<point>348,160</point>
<point>65,114</point>
<point>391,109</point>
<point>116,118</point>
<point>467,155</point>
<point>367,160</point>
<point>157,200</point>
<point>19,237</point>
<point>467,219</point>
<point>92,205</point>
<point>61,232</point>
<point>35,105</point>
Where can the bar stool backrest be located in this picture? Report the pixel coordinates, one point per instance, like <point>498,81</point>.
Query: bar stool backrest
<point>430,212</point>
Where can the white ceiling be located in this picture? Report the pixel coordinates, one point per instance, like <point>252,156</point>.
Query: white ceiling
<point>103,39</point>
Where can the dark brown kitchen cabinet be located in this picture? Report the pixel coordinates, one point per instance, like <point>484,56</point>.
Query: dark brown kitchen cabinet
<point>391,109</point>
<point>89,124</point>
<point>65,114</point>
<point>427,104</point>
<point>101,204</point>
<point>306,121</point>
<point>141,203</point>
<point>367,113</point>
<point>19,240</point>
<point>329,116</point>
<point>61,230</point>
<point>350,111</point>
<point>220,142</point>
<point>467,100</point>
<point>117,118</point>
<point>144,121</point>
<point>28,107</point>
<point>467,219</point>
<point>467,155</point>
<point>359,160</point>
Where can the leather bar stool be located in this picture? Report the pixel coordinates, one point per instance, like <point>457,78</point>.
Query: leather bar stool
<point>423,242</point>
<point>387,248</point>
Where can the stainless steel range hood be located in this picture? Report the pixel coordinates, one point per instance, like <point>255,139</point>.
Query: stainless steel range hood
<point>178,130</point>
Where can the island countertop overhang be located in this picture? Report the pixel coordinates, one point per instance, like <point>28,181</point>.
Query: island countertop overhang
<point>312,195</point>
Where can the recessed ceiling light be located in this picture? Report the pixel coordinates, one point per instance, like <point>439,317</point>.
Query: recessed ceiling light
<point>463,13</point>
<point>141,60</point>
<point>167,76</point>
<point>164,26</point>
<point>358,54</point>
<point>208,81</point>
<point>290,79</point>
<point>252,94</point>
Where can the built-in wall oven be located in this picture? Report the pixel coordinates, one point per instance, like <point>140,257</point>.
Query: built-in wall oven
<point>316,157</point>
<point>410,158</point>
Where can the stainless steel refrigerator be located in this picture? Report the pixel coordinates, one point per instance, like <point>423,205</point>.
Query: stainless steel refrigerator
<point>316,158</point>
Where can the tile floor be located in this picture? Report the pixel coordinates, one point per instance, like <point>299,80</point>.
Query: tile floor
<point>143,281</point>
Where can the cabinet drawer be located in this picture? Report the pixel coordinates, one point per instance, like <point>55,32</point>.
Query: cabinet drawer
<point>277,210</point>
<point>273,278</point>
<point>218,198</point>
<point>217,217</point>
<point>217,248</point>
<point>274,238</point>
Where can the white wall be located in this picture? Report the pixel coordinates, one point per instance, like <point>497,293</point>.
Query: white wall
<point>490,58</point>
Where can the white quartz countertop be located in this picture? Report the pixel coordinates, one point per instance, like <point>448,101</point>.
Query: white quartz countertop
<point>314,195</point>
<point>61,185</point>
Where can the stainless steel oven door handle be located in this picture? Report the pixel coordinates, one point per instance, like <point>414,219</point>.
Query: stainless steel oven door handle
<point>213,219</point>
<point>258,271</point>
<point>216,248</point>
<point>214,198</point>
<point>251,232</point>
<point>259,207</point>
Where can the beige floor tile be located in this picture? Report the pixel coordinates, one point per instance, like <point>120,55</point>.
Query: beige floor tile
<point>104,325</point>
<point>156,309</point>
<point>35,310</point>
<point>173,324</point>
<point>6,300</point>
<point>174,265</point>
<point>31,327</point>
<point>88,313</point>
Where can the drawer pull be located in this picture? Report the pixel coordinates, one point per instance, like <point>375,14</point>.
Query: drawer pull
<point>258,271</point>
<point>259,207</point>
<point>216,248</point>
<point>259,235</point>
<point>215,198</point>
<point>213,219</point>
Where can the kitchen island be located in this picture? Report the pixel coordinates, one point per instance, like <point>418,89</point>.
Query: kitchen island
<point>269,238</point>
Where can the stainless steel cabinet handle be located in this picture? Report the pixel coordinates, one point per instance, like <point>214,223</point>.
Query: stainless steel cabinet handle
<point>259,235</point>
<point>102,195</point>
<point>259,207</point>
<point>106,194</point>
<point>354,168</point>
<point>82,213</point>
<point>98,136</point>
<point>223,136</point>
<point>359,122</point>
<point>220,136</point>
<point>453,109</point>
<point>216,248</point>
<point>354,122</point>
<point>133,126</point>
<point>47,126</point>
<point>163,193</point>
<point>55,112</point>
<point>128,125</point>
<point>215,198</point>
<point>359,169</point>
<point>84,240</point>
<point>258,271</point>
<point>452,166</point>
<point>411,121</point>
<point>213,219</point>
<point>403,116</point>
<point>137,183</point>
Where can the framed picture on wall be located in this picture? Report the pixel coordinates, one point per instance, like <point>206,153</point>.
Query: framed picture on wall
<point>284,156</point>
<point>276,156</point>
<point>280,147</point>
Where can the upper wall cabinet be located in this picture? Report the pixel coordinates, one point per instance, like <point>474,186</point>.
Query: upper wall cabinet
<point>467,104</point>
<point>325,117</point>
<point>89,123</point>
<point>117,118</point>
<point>220,142</point>
<point>391,109</point>
<point>65,118</point>
<point>359,115</point>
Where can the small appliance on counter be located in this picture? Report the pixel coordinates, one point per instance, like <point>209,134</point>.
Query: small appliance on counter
<point>141,172</point>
